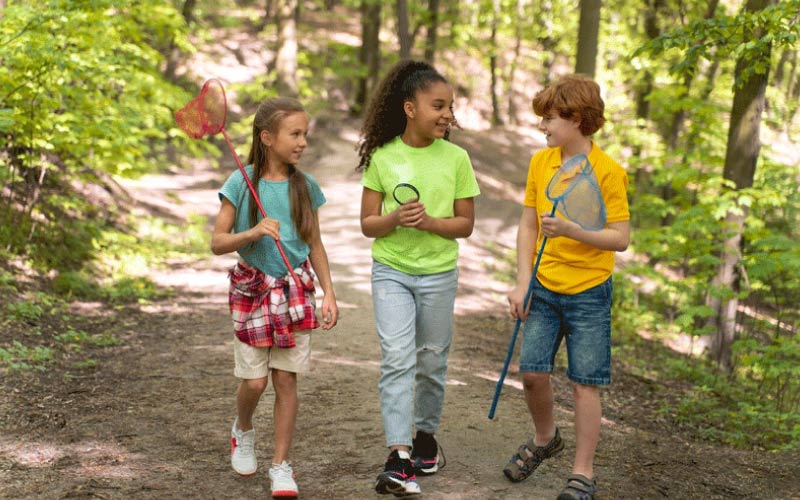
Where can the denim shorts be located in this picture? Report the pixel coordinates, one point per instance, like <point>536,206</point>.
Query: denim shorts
<point>584,319</point>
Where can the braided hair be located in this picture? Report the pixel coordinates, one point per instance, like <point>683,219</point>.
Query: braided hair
<point>386,118</point>
<point>269,116</point>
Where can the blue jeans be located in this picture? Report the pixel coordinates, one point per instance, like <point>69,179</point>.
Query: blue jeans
<point>584,319</point>
<point>414,318</point>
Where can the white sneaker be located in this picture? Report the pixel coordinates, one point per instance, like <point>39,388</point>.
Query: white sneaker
<point>282,478</point>
<point>243,456</point>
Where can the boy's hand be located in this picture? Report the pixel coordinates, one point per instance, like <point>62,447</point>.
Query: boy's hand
<point>266,227</point>
<point>516,299</point>
<point>553,227</point>
<point>330,312</point>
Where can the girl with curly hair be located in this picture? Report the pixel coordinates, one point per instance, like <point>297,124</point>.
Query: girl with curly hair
<point>414,273</point>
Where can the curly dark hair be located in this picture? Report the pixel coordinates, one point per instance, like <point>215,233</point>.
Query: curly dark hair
<point>386,118</point>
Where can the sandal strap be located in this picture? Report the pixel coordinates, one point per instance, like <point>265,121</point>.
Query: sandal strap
<point>581,483</point>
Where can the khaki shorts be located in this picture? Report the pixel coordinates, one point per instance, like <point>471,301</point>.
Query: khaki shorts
<point>256,362</point>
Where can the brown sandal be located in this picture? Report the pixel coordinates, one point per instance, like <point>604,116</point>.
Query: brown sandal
<point>529,457</point>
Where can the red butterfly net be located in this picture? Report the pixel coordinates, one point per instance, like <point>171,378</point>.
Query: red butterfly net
<point>205,115</point>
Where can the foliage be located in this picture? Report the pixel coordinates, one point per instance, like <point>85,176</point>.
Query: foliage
<point>730,36</point>
<point>757,406</point>
<point>82,97</point>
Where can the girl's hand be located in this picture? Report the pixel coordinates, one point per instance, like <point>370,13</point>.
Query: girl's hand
<point>266,227</point>
<point>553,226</point>
<point>411,214</point>
<point>330,312</point>
<point>516,299</point>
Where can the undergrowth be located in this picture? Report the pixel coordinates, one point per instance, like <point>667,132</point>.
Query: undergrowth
<point>755,406</point>
<point>38,326</point>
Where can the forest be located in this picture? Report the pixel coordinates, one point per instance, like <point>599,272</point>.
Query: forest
<point>701,102</point>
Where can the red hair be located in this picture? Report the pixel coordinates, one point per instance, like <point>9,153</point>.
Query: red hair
<point>573,97</point>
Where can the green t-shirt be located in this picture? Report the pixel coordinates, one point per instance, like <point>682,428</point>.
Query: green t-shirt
<point>442,173</point>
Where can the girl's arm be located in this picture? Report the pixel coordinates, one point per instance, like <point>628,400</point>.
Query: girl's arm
<point>223,241</point>
<point>615,237</point>
<point>375,225</point>
<point>319,261</point>
<point>458,226</point>
<point>527,234</point>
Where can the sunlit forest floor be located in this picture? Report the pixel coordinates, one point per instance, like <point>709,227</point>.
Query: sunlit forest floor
<point>152,418</point>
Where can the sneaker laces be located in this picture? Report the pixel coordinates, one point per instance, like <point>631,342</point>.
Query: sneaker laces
<point>282,471</point>
<point>245,445</point>
<point>441,454</point>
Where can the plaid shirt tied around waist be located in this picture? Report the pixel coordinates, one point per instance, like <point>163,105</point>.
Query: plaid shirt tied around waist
<point>263,315</point>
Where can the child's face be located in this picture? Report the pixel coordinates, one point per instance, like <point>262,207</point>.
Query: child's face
<point>288,143</point>
<point>431,112</point>
<point>559,132</point>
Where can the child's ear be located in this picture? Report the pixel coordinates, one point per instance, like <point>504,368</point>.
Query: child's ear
<point>265,137</point>
<point>408,107</point>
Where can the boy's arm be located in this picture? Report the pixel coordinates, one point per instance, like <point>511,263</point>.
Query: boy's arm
<point>319,261</point>
<point>527,234</point>
<point>615,237</point>
<point>223,241</point>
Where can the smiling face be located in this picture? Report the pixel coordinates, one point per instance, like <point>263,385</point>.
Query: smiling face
<point>429,114</point>
<point>287,144</point>
<point>560,132</point>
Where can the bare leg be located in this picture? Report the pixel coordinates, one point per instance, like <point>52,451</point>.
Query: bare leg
<point>285,412</point>
<point>247,396</point>
<point>588,413</point>
<point>539,397</point>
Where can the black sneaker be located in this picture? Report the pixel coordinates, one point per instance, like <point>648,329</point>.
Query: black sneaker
<point>398,477</point>
<point>425,454</point>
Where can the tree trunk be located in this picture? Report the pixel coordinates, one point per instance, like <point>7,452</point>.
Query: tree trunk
<point>676,127</point>
<point>588,30</point>
<point>402,30</point>
<point>512,72</point>
<point>286,58</point>
<point>188,10</point>
<point>369,55</point>
<point>173,55</point>
<point>741,157</point>
<point>433,25</point>
<point>496,120</point>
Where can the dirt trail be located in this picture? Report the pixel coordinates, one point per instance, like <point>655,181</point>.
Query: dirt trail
<point>152,421</point>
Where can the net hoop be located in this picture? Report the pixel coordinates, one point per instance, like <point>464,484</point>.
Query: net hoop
<point>206,113</point>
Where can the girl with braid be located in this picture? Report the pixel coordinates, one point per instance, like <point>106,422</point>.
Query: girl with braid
<point>414,273</point>
<point>272,332</point>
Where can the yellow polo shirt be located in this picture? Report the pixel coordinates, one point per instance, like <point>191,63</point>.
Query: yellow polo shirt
<point>569,266</point>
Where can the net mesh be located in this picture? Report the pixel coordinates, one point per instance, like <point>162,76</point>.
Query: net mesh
<point>205,114</point>
<point>575,192</point>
